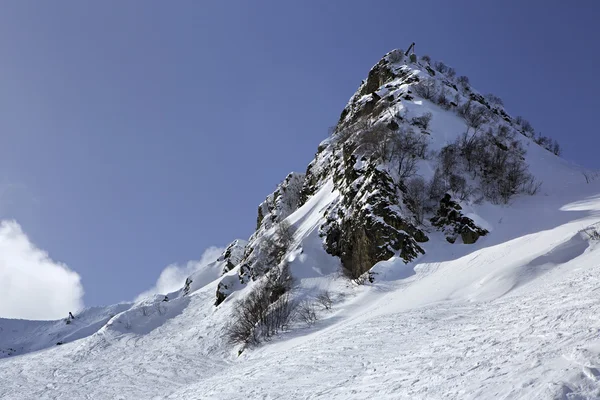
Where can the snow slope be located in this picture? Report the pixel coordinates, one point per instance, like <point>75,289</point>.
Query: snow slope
<point>514,316</point>
<point>22,336</point>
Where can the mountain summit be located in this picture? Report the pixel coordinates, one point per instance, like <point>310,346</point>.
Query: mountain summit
<point>436,247</point>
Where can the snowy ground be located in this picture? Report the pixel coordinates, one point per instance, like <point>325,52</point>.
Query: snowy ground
<point>516,318</point>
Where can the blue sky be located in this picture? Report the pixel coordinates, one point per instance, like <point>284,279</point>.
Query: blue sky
<point>138,134</point>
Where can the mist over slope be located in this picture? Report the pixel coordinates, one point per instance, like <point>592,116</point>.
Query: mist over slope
<point>436,247</point>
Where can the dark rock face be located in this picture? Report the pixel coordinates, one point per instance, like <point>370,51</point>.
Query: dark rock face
<point>259,218</point>
<point>369,106</point>
<point>379,75</point>
<point>222,292</point>
<point>450,220</point>
<point>367,226</point>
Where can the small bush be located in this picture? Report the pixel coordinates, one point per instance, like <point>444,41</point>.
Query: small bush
<point>325,300</point>
<point>416,197</point>
<point>264,312</point>
<point>422,121</point>
<point>405,150</point>
<point>442,99</point>
<point>500,168</point>
<point>426,58</point>
<point>531,186</point>
<point>473,114</point>
<point>441,67</point>
<point>463,80</point>
<point>556,149</point>
<point>307,312</point>
<point>376,141</point>
<point>494,100</point>
<point>592,233</point>
<point>426,89</point>
<point>437,186</point>
<point>525,126</point>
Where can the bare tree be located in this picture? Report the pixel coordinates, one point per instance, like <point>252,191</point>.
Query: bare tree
<point>426,58</point>
<point>325,300</point>
<point>417,196</point>
<point>525,125</point>
<point>437,185</point>
<point>494,100</point>
<point>278,317</point>
<point>441,67</point>
<point>422,121</point>
<point>259,315</point>
<point>426,89</point>
<point>406,149</point>
<point>463,80</point>
<point>442,99</point>
<point>376,141</point>
<point>473,114</point>
<point>556,149</point>
<point>307,313</point>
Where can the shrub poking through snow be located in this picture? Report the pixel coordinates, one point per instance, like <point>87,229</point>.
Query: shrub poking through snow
<point>264,312</point>
<point>463,81</point>
<point>592,233</point>
<point>307,312</point>
<point>426,89</point>
<point>325,300</point>
<point>422,121</point>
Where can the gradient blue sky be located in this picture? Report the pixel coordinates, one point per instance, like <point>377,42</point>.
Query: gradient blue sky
<point>134,134</point>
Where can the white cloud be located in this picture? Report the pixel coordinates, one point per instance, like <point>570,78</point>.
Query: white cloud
<point>32,285</point>
<point>173,276</point>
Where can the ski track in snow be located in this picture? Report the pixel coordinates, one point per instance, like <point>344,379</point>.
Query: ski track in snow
<point>509,348</point>
<point>540,341</point>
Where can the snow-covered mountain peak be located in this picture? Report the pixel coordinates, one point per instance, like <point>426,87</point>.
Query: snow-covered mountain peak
<point>435,247</point>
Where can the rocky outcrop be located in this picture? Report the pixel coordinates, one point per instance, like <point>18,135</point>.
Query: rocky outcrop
<point>371,217</point>
<point>450,220</point>
<point>282,202</point>
<point>379,75</point>
<point>233,255</point>
<point>368,224</point>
